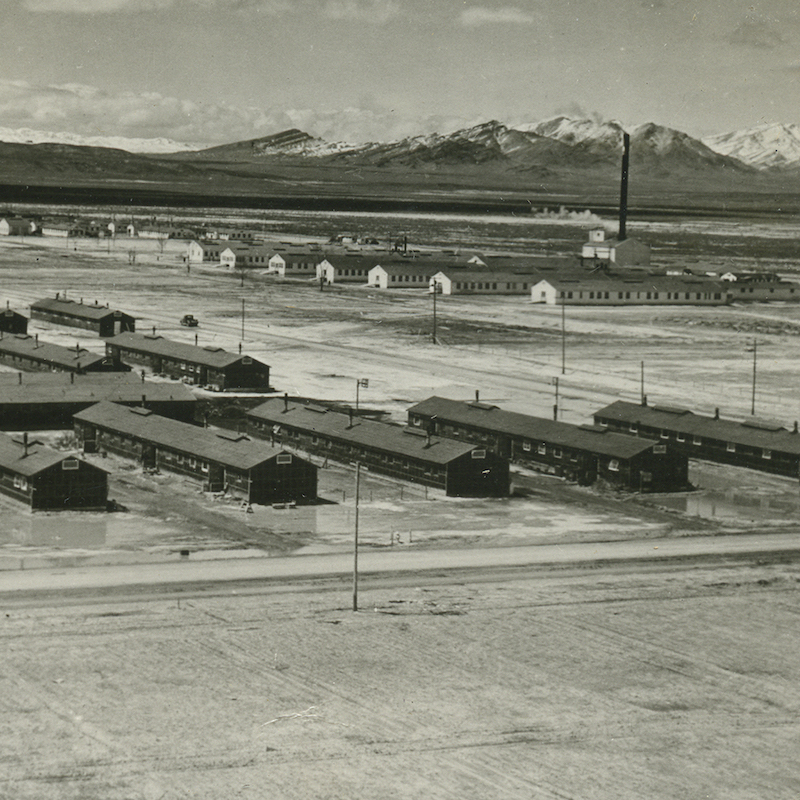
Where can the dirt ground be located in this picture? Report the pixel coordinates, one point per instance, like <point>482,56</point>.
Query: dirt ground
<point>615,682</point>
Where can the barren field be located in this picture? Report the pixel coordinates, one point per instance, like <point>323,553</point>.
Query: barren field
<point>611,683</point>
<point>622,681</point>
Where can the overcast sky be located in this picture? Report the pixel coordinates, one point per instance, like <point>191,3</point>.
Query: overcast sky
<point>215,71</point>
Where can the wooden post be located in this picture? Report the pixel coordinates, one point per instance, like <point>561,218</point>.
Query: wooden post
<point>563,334</point>
<point>355,539</point>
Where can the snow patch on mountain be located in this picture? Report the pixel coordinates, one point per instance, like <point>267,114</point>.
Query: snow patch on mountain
<point>576,131</point>
<point>764,146</point>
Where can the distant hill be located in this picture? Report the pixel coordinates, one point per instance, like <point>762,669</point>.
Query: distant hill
<point>52,162</point>
<point>30,136</point>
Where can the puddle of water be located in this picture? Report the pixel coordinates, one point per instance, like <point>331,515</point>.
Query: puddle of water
<point>734,506</point>
<point>57,532</point>
<point>79,531</point>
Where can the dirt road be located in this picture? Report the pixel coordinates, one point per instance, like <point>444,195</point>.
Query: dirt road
<point>416,562</point>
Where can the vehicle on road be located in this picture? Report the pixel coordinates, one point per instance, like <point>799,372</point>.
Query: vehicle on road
<point>189,321</point>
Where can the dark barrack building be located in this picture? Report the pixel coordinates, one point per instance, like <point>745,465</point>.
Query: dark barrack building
<point>48,400</point>
<point>460,469</point>
<point>26,352</point>
<point>212,367</point>
<point>220,460</point>
<point>12,321</point>
<point>47,480</point>
<point>583,453</point>
<point>759,444</point>
<point>102,320</point>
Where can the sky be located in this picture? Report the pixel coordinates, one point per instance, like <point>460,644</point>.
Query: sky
<point>210,72</point>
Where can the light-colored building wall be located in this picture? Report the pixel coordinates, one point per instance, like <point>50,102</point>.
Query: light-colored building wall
<point>617,293</point>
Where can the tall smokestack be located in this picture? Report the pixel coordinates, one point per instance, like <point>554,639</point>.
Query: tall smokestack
<point>623,188</point>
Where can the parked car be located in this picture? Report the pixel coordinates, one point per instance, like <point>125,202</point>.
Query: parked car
<point>188,321</point>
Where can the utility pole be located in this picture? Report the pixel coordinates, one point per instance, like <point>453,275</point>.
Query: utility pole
<point>434,287</point>
<point>359,383</point>
<point>755,355</point>
<point>642,383</point>
<point>355,539</point>
<point>563,334</point>
<point>243,319</point>
<point>555,405</point>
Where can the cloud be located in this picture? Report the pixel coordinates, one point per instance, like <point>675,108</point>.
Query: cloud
<point>377,12</point>
<point>756,33</point>
<point>272,7</point>
<point>575,110</point>
<point>89,111</point>
<point>93,6</point>
<point>507,15</point>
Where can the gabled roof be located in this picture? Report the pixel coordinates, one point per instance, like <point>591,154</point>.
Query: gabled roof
<point>208,356</point>
<point>630,283</point>
<point>409,268</point>
<point>243,248</point>
<point>491,418</point>
<point>57,387</point>
<point>93,311</point>
<point>359,261</point>
<point>471,275</point>
<point>39,457</point>
<point>22,344</point>
<point>391,439</point>
<point>221,447</point>
<point>300,258</point>
<point>751,432</point>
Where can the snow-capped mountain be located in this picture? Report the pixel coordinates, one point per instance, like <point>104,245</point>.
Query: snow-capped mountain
<point>763,146</point>
<point>575,131</point>
<point>557,142</point>
<point>480,144</point>
<point>561,143</point>
<point>29,136</point>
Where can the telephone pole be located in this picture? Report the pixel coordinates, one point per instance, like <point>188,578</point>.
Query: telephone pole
<point>355,539</point>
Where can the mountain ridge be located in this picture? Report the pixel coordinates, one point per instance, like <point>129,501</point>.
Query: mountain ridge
<point>770,146</point>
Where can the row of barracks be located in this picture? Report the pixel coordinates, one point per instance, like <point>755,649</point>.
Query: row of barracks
<point>630,290</point>
<point>48,400</point>
<point>460,469</point>
<point>758,444</point>
<point>218,460</point>
<point>23,351</point>
<point>47,480</point>
<point>583,453</point>
<point>208,366</point>
<point>99,319</point>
